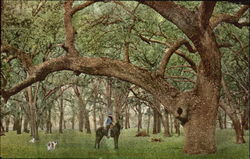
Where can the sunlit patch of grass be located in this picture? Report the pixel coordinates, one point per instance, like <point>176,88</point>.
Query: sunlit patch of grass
<point>74,144</point>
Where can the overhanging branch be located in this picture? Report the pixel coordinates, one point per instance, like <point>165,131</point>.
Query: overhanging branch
<point>95,66</point>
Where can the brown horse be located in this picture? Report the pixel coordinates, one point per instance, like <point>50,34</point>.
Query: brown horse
<point>115,132</point>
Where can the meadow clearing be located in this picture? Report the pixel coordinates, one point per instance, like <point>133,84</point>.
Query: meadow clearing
<point>73,144</point>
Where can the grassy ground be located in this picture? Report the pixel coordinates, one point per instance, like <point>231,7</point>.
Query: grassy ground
<point>73,144</point>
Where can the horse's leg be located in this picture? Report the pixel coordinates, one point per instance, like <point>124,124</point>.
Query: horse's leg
<point>116,141</point>
<point>98,142</point>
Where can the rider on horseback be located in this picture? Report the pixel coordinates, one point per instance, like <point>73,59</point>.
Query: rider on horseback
<point>109,124</point>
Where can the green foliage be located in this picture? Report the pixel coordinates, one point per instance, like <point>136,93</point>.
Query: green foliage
<point>73,144</point>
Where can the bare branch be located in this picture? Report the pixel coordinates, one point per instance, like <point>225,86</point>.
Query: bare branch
<point>168,53</point>
<point>205,12</point>
<point>178,52</point>
<point>189,60</point>
<point>81,6</point>
<point>13,52</point>
<point>232,19</point>
<point>38,8</point>
<point>94,66</point>
<point>126,52</point>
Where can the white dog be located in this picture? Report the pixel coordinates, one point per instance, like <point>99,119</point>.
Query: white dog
<point>32,140</point>
<point>51,145</point>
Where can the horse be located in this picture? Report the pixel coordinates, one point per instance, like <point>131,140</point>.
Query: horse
<point>115,132</point>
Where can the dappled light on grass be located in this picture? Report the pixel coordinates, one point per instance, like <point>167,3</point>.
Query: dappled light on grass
<point>73,144</point>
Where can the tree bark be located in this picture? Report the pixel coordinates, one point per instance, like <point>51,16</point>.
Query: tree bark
<point>244,119</point>
<point>83,113</point>
<point>87,122</point>
<point>149,117</point>
<point>165,123</point>
<point>19,125</point>
<point>95,90</point>
<point>61,115</point>
<point>171,124</point>
<point>94,115</point>
<point>127,125</point>
<point>73,121</point>
<point>239,131</point>
<point>156,122</point>
<point>230,109</point>
<point>108,96</point>
<point>139,115</point>
<point>48,122</point>
<point>177,127</point>
<point>33,114</point>
<point>220,120</point>
<point>80,118</point>
<point>225,120</point>
<point>25,124</point>
<point>7,123</point>
<point>64,124</point>
<point>101,117</point>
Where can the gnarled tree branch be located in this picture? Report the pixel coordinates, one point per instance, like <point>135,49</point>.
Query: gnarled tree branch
<point>182,17</point>
<point>81,6</point>
<point>232,19</point>
<point>96,66</point>
<point>168,53</point>
<point>13,52</point>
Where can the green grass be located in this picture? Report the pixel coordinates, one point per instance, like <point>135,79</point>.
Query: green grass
<point>73,144</point>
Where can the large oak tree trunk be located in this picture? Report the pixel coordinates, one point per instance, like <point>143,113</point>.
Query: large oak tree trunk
<point>202,103</point>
